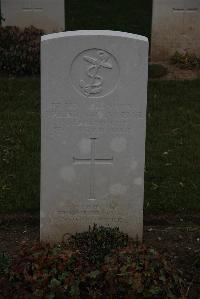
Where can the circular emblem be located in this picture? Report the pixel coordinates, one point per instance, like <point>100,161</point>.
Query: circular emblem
<point>94,73</point>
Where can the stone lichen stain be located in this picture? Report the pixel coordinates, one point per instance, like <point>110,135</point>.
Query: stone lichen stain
<point>118,144</point>
<point>68,174</point>
<point>138,181</point>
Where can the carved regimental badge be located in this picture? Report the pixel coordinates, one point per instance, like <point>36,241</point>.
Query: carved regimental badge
<point>94,73</point>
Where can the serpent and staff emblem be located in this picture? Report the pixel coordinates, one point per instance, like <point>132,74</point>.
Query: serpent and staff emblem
<point>95,82</point>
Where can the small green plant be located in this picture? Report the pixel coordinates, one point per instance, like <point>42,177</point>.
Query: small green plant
<point>61,271</point>
<point>5,262</point>
<point>97,242</point>
<point>186,60</point>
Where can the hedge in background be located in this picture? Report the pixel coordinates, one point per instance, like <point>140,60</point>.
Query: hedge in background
<point>132,16</point>
<point>20,50</point>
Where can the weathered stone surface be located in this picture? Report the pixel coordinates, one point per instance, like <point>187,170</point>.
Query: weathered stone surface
<point>175,27</point>
<point>94,90</point>
<point>48,15</point>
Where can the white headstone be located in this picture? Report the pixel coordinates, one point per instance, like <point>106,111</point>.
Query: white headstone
<point>94,92</point>
<point>48,15</point>
<point>175,27</point>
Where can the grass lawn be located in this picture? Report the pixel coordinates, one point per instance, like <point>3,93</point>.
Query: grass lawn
<point>19,144</point>
<point>172,177</point>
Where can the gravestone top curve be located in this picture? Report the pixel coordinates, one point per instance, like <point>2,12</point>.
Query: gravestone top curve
<point>95,33</point>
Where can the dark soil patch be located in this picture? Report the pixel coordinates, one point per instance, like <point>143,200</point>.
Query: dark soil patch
<point>173,72</point>
<point>178,238</point>
<point>181,244</point>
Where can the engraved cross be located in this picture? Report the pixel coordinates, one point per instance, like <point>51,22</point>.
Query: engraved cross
<point>92,161</point>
